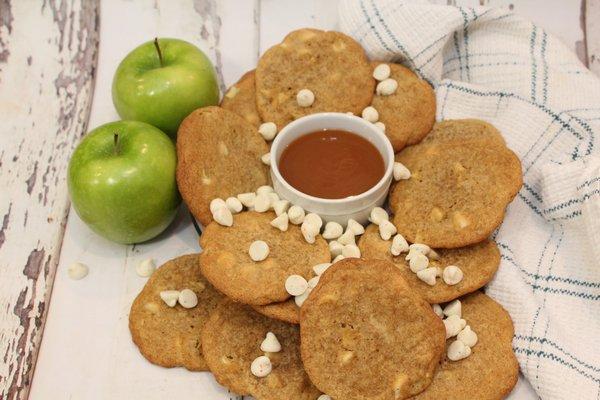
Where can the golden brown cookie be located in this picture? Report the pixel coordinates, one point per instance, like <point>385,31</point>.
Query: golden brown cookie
<point>479,262</point>
<point>286,311</point>
<point>241,99</point>
<point>463,131</point>
<point>330,64</point>
<point>409,113</point>
<point>218,155</point>
<point>491,371</point>
<point>365,334</point>
<point>170,337</point>
<point>232,339</point>
<point>227,265</point>
<point>457,194</point>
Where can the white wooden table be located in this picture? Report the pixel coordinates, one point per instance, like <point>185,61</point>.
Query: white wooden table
<point>56,65</point>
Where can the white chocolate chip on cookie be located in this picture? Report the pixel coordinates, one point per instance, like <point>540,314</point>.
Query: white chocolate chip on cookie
<point>378,214</point>
<point>370,114</point>
<point>187,298</point>
<point>259,250</point>
<point>305,98</point>
<point>270,344</point>
<point>170,297</point>
<point>458,350</point>
<point>215,204</point>
<point>261,366</point>
<point>296,285</point>
<point>355,227</point>
<point>452,275</point>
<point>387,229</point>
<point>332,230</point>
<point>266,159</point>
<point>400,172</point>
<point>453,308</point>
<point>247,199</point>
<point>281,222</point>
<point>351,251</point>
<point>296,215</point>
<point>281,206</point>
<point>268,130</point>
<point>381,72</point>
<point>223,216</point>
<point>454,324</point>
<point>234,205</point>
<point>335,248</point>
<point>399,245</point>
<point>262,203</point>
<point>427,275</point>
<point>418,262</point>
<point>386,87</point>
<point>321,268</point>
<point>467,336</point>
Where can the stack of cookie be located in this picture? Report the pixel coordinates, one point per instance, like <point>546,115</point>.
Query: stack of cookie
<point>283,306</point>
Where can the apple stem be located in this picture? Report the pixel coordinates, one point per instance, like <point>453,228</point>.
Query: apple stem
<point>160,57</point>
<point>116,142</point>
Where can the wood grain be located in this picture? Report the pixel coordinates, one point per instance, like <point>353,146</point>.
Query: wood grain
<point>47,63</point>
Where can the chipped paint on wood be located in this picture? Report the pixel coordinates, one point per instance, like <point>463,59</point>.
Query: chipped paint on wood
<point>47,68</point>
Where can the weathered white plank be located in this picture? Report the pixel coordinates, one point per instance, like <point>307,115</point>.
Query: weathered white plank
<point>87,352</point>
<point>592,29</point>
<point>47,61</point>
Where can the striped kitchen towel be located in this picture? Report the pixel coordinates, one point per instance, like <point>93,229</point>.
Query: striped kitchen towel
<point>490,64</point>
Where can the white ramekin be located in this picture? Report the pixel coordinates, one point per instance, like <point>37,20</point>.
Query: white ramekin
<point>338,210</point>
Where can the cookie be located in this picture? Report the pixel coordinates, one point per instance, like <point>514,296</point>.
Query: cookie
<point>232,338</point>
<point>241,99</point>
<point>170,337</point>
<point>491,371</point>
<point>457,194</point>
<point>465,130</point>
<point>330,64</point>
<point>409,113</point>
<point>365,334</point>
<point>479,262</point>
<point>286,311</point>
<point>218,155</point>
<point>225,261</point>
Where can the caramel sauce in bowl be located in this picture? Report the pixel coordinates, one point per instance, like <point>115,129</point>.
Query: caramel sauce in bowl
<point>333,164</point>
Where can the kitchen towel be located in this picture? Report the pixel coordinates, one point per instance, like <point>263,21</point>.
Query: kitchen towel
<point>491,64</point>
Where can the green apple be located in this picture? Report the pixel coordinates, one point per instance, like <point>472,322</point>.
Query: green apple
<point>122,181</point>
<point>162,82</point>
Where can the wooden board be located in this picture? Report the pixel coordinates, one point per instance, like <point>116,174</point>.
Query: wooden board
<point>86,351</point>
<point>47,63</point>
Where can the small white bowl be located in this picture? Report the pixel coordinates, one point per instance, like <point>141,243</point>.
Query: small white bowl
<point>339,210</point>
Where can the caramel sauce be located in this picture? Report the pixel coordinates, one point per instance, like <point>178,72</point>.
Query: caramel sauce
<point>331,164</point>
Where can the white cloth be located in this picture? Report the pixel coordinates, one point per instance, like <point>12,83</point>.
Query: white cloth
<point>491,64</point>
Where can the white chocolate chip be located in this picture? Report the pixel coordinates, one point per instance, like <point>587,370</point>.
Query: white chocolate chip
<point>247,199</point>
<point>261,366</point>
<point>467,336</point>
<point>309,231</point>
<point>215,204</point>
<point>314,219</point>
<point>347,238</point>
<point>324,397</point>
<point>223,216</point>
<point>265,189</point>
<point>296,285</point>
<point>266,158</point>
<point>145,268</point>
<point>437,309</point>
<point>187,298</point>
<point>351,251</point>
<point>313,282</point>
<point>77,271</point>
<point>234,205</point>
<point>387,229</point>
<point>299,300</point>
<point>378,214</point>
<point>439,271</point>
<point>458,350</point>
<point>399,245</point>
<point>381,72</point>
<point>332,230</point>
<point>400,171</point>
<point>296,214</point>
<point>452,275</point>
<point>370,114</point>
<point>281,222</point>
<point>305,98</point>
<point>321,268</point>
<point>268,130</point>
<point>338,258</point>
<point>453,308</point>
<point>420,247</point>
<point>418,263</point>
<point>232,92</point>
<point>281,206</point>
<point>386,87</point>
<point>380,125</point>
<point>270,344</point>
<point>259,250</point>
<point>427,275</point>
<point>170,297</point>
<point>274,197</point>
<point>335,248</point>
<point>355,227</point>
<point>454,324</point>
<point>262,203</point>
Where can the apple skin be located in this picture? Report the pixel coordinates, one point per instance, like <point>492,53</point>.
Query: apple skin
<point>163,95</point>
<point>127,193</point>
